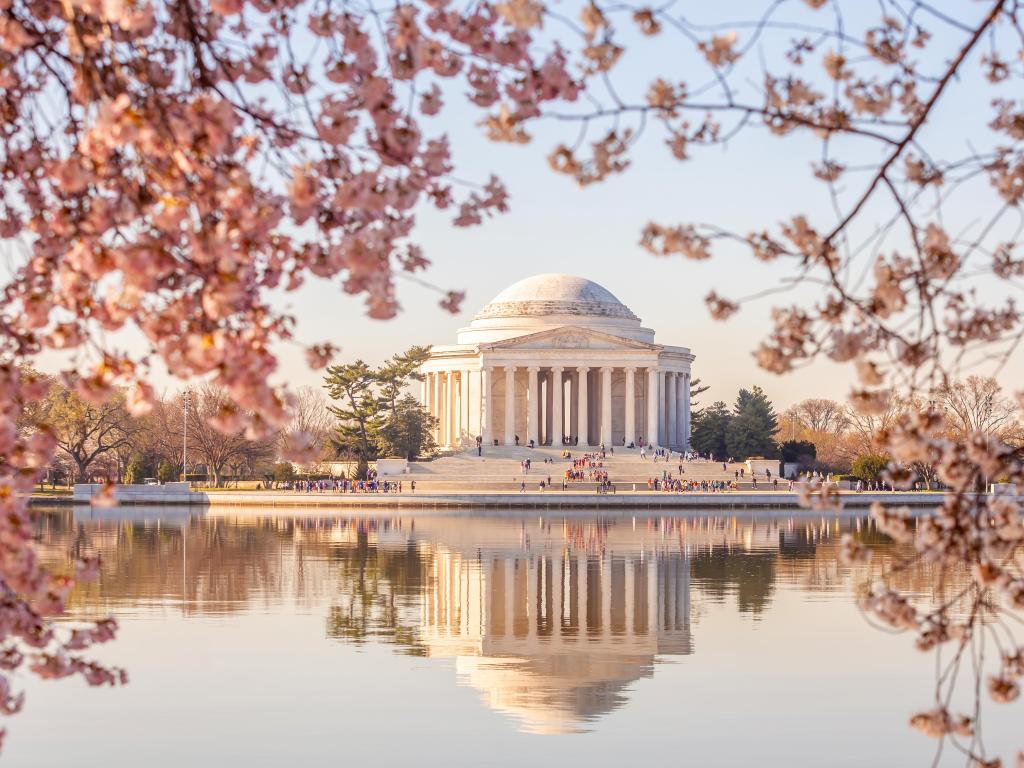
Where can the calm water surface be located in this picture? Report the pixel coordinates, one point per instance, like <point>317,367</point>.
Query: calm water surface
<point>263,639</point>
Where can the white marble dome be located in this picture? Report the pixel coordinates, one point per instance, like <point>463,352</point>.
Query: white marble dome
<point>555,294</point>
<point>553,300</point>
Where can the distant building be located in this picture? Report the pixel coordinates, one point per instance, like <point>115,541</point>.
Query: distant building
<point>557,357</point>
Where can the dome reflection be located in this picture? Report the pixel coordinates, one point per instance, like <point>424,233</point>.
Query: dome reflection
<point>551,620</point>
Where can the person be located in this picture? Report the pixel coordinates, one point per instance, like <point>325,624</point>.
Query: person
<point>522,487</point>
<point>517,440</point>
<point>412,485</point>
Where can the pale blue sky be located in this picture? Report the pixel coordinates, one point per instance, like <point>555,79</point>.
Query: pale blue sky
<point>753,183</point>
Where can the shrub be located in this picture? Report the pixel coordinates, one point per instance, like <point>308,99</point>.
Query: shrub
<point>283,471</point>
<point>166,472</point>
<point>800,451</point>
<point>869,467</point>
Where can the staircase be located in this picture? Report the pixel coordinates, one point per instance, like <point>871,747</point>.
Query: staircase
<point>499,469</point>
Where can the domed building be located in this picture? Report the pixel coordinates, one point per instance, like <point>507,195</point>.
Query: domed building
<point>557,359</point>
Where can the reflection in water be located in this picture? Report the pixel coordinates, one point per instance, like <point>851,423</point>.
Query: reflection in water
<point>551,620</point>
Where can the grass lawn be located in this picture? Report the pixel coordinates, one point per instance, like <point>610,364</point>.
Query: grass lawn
<point>51,491</point>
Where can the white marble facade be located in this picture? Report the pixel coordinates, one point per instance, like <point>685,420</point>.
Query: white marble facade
<point>555,358</point>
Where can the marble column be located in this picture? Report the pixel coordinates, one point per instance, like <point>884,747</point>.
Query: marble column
<point>583,409</point>
<point>652,406</point>
<point>435,411</point>
<point>510,404</point>
<point>452,409</point>
<point>662,426</point>
<point>464,420</point>
<point>680,412</point>
<point>671,379</point>
<point>485,405</point>
<point>549,421</point>
<point>425,391</point>
<point>685,439</point>
<point>606,406</point>
<point>558,423</point>
<point>533,407</point>
<point>630,406</point>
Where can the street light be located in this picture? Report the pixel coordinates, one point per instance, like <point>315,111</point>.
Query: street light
<point>184,438</point>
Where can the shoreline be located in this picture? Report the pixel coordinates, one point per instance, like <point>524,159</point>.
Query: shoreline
<point>496,500</point>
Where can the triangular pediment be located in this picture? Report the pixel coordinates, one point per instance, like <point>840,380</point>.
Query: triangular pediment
<point>569,337</point>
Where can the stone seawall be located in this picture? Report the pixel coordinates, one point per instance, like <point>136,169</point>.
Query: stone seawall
<point>168,493</point>
<point>180,496</point>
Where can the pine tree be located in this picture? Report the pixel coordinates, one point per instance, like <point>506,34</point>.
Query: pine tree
<point>397,373</point>
<point>406,432</point>
<point>709,429</point>
<point>696,388</point>
<point>374,418</point>
<point>351,386</point>
<point>751,431</point>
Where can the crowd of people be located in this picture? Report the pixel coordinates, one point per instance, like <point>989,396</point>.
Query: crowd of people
<point>590,467</point>
<point>344,485</point>
<point>676,485</point>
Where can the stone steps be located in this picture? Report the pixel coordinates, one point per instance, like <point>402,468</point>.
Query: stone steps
<point>500,469</point>
<point>532,486</point>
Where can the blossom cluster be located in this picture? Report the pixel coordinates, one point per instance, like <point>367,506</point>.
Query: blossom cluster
<point>168,166</point>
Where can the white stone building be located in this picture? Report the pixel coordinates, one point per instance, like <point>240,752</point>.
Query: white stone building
<point>557,356</point>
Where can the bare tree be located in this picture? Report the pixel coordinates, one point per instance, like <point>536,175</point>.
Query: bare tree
<point>977,404</point>
<point>821,415</point>
<point>87,432</point>
<point>312,419</point>
<point>207,444</point>
<point>864,429</point>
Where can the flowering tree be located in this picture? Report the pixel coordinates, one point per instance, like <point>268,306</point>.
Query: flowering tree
<point>168,165</point>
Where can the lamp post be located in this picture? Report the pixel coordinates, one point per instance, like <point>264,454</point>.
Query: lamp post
<point>184,438</point>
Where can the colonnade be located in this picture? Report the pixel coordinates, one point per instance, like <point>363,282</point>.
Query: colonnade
<point>564,596</point>
<point>560,404</point>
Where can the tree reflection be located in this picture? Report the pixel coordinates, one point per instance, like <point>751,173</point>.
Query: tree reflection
<point>551,619</point>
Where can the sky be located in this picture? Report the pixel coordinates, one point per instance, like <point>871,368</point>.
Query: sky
<point>752,183</point>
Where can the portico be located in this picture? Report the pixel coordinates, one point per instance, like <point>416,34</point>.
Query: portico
<point>558,360</point>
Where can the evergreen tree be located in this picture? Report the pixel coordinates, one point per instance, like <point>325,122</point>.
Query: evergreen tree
<point>751,431</point>
<point>351,386</point>
<point>397,373</point>
<point>374,418</point>
<point>407,430</point>
<point>799,451</point>
<point>696,388</point>
<point>709,430</point>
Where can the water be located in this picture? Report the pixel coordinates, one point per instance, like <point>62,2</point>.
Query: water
<point>263,639</point>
